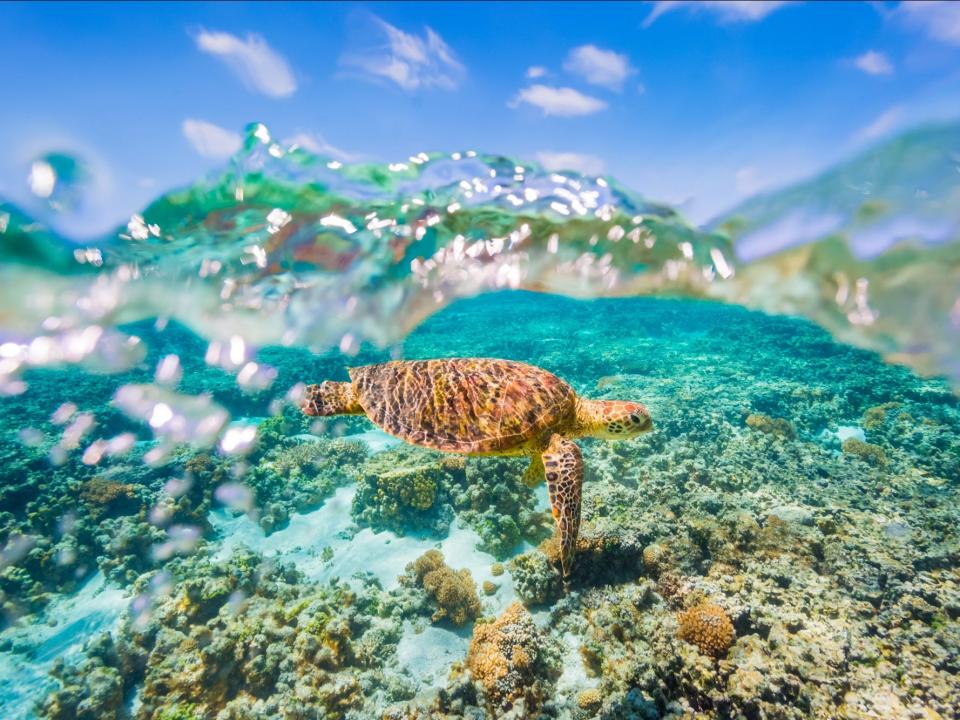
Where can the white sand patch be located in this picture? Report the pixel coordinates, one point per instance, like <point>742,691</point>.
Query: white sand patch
<point>376,440</point>
<point>574,677</point>
<point>385,554</point>
<point>427,655</point>
<point>543,499</point>
<point>76,618</point>
<point>845,432</point>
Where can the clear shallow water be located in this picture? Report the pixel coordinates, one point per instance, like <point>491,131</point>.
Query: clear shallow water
<point>828,560</point>
<point>160,484</point>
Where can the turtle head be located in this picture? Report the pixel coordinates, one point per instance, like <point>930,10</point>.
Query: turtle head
<point>613,419</point>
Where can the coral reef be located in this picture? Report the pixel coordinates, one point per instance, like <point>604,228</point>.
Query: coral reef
<point>298,475</point>
<point>407,488</point>
<point>808,489</point>
<point>239,639</point>
<point>410,489</point>
<point>493,500</point>
<point>453,591</point>
<point>536,580</point>
<point>513,661</point>
<point>92,689</point>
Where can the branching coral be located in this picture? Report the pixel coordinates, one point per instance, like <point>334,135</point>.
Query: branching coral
<point>511,658</point>
<point>867,452</point>
<point>453,591</point>
<point>708,627</point>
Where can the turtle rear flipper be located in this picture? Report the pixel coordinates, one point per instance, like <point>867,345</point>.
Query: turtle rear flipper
<point>564,469</point>
<point>331,398</point>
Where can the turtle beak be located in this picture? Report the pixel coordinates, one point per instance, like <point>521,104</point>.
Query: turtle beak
<point>647,424</point>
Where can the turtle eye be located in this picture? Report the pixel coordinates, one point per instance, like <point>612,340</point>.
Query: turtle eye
<point>634,418</point>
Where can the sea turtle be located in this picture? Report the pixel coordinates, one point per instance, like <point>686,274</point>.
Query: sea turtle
<point>481,406</point>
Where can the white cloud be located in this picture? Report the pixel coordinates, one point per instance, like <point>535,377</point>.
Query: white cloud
<point>874,63</point>
<point>536,71</point>
<point>209,140</point>
<point>883,124</point>
<point>940,19</point>
<point>319,146</point>
<point>565,102</point>
<point>578,162</point>
<point>726,10</point>
<point>258,65</point>
<point>410,61</point>
<point>598,66</point>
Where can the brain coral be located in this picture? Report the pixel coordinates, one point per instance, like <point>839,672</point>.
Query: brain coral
<point>708,627</point>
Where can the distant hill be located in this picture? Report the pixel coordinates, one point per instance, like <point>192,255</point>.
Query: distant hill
<point>905,188</point>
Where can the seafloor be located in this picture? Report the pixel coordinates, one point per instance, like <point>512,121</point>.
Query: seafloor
<point>784,544</point>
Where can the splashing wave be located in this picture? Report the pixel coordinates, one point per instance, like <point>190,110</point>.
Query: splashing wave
<point>287,247</point>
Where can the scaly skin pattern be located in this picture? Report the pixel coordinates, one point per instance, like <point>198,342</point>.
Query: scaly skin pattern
<point>465,405</point>
<point>480,406</point>
<point>564,470</point>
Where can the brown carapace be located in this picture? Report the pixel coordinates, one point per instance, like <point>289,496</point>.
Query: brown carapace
<point>479,406</point>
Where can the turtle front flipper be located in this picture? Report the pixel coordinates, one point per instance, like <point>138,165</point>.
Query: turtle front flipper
<point>331,398</point>
<point>564,470</point>
<point>534,473</point>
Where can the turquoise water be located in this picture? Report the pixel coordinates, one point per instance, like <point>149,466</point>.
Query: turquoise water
<point>267,585</point>
<point>178,541</point>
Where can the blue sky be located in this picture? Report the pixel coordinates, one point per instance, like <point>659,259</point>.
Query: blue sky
<point>695,104</point>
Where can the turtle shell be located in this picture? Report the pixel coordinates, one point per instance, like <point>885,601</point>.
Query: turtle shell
<point>469,405</point>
